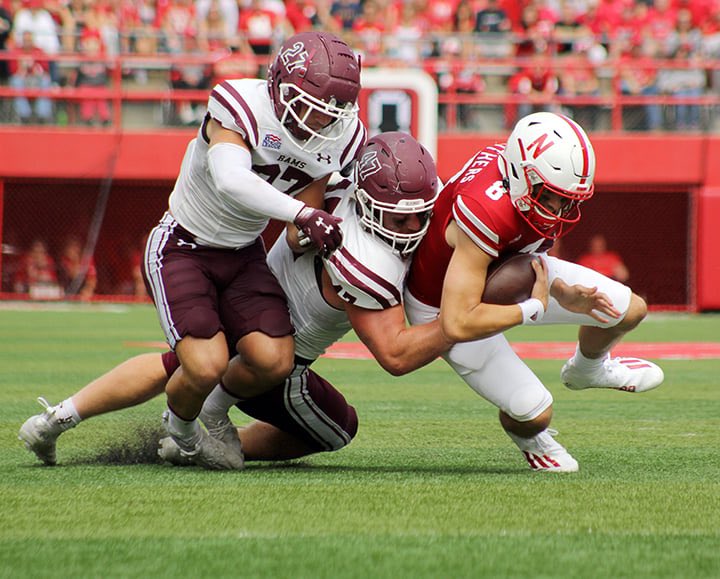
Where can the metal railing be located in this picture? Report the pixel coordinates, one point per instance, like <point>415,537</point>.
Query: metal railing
<point>456,105</point>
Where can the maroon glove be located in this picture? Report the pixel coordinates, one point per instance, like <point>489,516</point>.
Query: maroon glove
<point>320,229</point>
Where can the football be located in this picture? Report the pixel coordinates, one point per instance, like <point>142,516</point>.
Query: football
<point>509,280</point>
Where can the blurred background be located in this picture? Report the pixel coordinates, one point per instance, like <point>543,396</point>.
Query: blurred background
<point>98,99</point>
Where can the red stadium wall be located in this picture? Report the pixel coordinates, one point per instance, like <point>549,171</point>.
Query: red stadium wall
<point>658,198</point>
<point>708,242</point>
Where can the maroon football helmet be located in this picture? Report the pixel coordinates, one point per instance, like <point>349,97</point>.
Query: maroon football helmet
<point>314,83</point>
<point>395,175</point>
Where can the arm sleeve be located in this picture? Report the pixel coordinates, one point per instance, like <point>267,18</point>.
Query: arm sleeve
<point>230,167</point>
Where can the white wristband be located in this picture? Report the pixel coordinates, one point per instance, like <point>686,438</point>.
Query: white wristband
<point>532,311</point>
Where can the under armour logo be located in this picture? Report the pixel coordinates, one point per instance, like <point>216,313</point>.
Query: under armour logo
<point>326,158</point>
<point>321,223</point>
<point>180,243</point>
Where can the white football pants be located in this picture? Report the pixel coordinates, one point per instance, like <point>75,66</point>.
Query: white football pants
<point>491,367</point>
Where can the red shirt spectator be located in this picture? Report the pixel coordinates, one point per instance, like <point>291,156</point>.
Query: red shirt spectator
<point>604,17</point>
<point>369,30</point>
<point>72,266</point>
<point>29,60</point>
<point>37,274</point>
<point>258,25</point>
<point>534,31</point>
<point>439,13</point>
<point>176,19</point>
<point>701,9</point>
<point>604,261</point>
<point>661,21</point>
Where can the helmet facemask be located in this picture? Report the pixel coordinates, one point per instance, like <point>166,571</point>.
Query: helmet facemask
<point>299,107</point>
<point>373,215</point>
<point>549,222</point>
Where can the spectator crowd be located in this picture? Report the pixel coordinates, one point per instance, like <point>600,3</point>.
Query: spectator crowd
<point>42,270</point>
<point>560,46</point>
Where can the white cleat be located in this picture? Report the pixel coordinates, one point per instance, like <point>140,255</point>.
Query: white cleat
<point>212,454</point>
<point>169,451</point>
<point>40,434</point>
<point>225,431</point>
<point>626,374</point>
<point>544,454</point>
<point>208,452</point>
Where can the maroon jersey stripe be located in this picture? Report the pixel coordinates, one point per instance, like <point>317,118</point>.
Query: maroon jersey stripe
<point>354,145</point>
<point>232,110</point>
<point>359,284</point>
<point>340,185</point>
<point>381,281</point>
<point>309,404</point>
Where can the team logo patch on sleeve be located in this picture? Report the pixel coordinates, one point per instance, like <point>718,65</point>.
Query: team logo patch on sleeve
<point>271,141</point>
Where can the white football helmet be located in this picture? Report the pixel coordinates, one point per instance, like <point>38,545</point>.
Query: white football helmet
<point>547,152</point>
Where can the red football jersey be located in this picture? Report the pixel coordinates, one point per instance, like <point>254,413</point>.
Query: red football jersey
<point>478,201</point>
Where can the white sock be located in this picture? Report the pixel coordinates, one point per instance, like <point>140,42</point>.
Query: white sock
<point>66,415</point>
<point>187,433</point>
<point>219,402</point>
<point>587,364</point>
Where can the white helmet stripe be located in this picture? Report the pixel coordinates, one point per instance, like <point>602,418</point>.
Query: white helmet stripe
<point>584,145</point>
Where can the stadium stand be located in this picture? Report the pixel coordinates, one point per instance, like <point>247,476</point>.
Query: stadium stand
<point>632,71</point>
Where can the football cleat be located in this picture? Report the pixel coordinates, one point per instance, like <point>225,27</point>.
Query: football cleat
<point>40,434</point>
<point>208,452</point>
<point>212,454</point>
<point>626,374</point>
<point>225,431</point>
<point>169,451</point>
<point>544,454</point>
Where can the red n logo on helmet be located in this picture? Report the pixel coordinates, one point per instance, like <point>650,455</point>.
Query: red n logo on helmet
<point>539,145</point>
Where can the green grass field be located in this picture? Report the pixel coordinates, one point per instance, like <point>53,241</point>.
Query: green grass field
<point>431,486</point>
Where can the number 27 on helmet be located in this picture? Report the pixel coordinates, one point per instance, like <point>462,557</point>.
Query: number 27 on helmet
<point>314,83</point>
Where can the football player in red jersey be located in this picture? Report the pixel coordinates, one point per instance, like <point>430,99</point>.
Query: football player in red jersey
<point>519,197</point>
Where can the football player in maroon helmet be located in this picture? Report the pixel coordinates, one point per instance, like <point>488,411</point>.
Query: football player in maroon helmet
<point>384,214</point>
<point>205,263</point>
<point>397,184</point>
<point>314,83</point>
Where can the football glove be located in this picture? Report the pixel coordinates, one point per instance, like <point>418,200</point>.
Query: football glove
<point>320,229</point>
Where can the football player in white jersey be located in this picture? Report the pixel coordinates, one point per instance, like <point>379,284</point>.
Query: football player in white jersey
<point>360,287</point>
<point>265,150</point>
<point>385,215</point>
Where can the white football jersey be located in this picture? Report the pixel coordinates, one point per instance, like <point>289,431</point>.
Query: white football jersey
<point>244,106</point>
<point>364,272</point>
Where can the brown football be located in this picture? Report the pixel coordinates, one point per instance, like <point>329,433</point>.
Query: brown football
<point>509,280</point>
